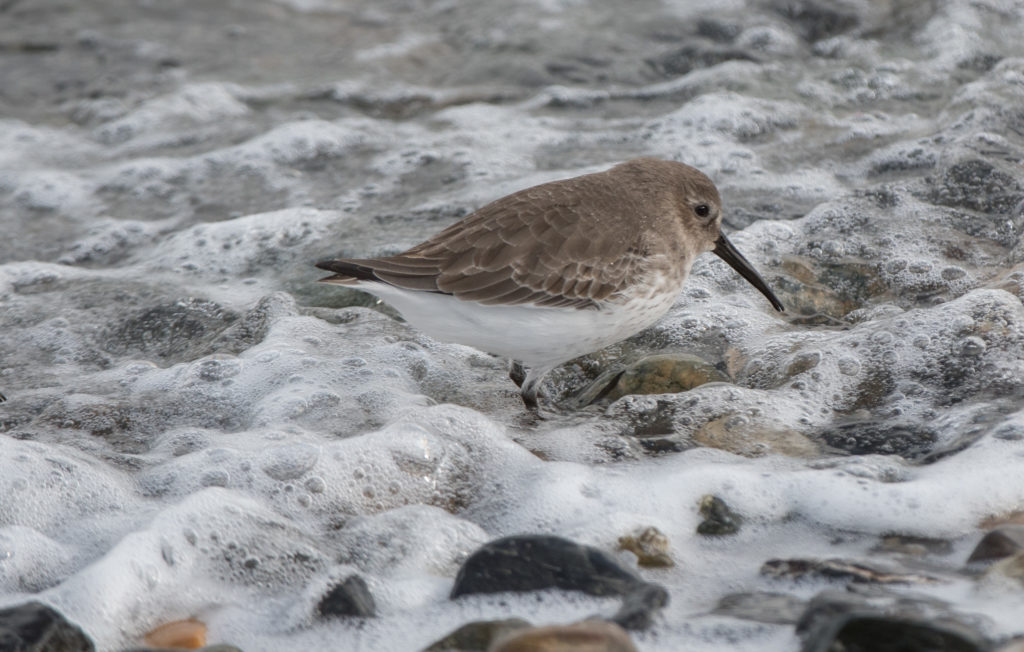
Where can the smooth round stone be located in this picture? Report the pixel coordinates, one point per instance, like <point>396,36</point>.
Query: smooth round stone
<point>588,636</point>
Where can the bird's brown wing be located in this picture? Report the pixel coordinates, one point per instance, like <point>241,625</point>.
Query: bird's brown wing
<point>548,246</point>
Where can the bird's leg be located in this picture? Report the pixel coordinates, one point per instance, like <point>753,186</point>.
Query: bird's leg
<point>531,387</point>
<point>517,373</point>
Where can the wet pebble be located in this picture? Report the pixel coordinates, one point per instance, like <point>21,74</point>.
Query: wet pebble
<point>180,634</point>
<point>350,597</point>
<point>476,636</point>
<point>879,622</point>
<point>875,571</point>
<point>1004,541</point>
<point>537,562</point>
<point>719,518</point>
<point>650,546</point>
<point>587,636</point>
<point>656,374</point>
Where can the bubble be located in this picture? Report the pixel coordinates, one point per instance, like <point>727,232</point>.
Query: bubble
<point>219,369</point>
<point>216,478</point>
<point>972,345</point>
<point>953,273</point>
<point>848,366</point>
<point>289,462</point>
<point>315,485</point>
<point>882,337</point>
<point>833,248</point>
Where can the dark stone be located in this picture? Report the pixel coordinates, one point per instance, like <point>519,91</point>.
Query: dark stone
<point>815,21</point>
<point>537,562</point>
<point>856,633</point>
<point>351,597</point>
<point>477,636</point>
<point>909,440</point>
<point>1002,542</point>
<point>762,607</point>
<point>35,627</point>
<point>719,520</point>
<point>836,620</point>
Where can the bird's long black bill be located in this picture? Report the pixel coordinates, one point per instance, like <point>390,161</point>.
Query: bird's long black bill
<point>727,252</point>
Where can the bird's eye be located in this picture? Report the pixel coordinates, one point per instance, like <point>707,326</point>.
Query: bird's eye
<point>702,210</point>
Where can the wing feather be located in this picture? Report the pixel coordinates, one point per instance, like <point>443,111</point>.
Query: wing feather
<point>551,246</point>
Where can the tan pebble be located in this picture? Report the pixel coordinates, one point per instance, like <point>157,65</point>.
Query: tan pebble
<point>650,546</point>
<point>587,636</point>
<point>754,440</point>
<point>180,635</point>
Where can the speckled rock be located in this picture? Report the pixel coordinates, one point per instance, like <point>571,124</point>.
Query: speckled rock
<point>736,434</point>
<point>874,571</point>
<point>655,374</point>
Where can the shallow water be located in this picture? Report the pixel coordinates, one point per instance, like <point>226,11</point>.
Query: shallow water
<point>196,428</point>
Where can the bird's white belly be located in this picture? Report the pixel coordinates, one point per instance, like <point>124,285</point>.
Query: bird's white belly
<point>536,336</point>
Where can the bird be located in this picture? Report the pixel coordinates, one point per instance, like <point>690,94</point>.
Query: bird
<point>555,271</point>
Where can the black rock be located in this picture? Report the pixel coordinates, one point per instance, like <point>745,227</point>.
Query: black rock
<point>536,562</point>
<point>719,519</point>
<point>868,633</point>
<point>876,622</point>
<point>35,627</point>
<point>999,543</point>
<point>350,597</point>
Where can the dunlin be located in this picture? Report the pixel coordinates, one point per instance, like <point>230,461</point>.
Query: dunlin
<point>565,268</point>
